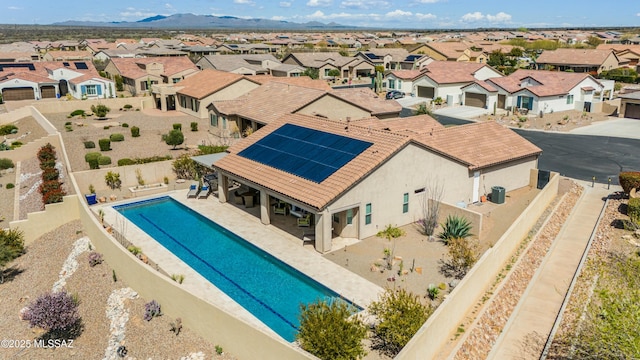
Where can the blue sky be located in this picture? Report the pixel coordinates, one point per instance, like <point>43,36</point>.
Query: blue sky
<point>417,14</point>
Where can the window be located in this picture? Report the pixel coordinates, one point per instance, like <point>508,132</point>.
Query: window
<point>213,119</point>
<point>176,80</point>
<point>183,101</point>
<point>367,214</point>
<point>405,203</point>
<point>195,105</point>
<point>569,99</point>
<point>336,218</point>
<point>92,90</point>
<point>418,191</point>
<point>349,216</point>
<point>399,84</point>
<point>224,122</point>
<point>326,72</point>
<point>392,84</point>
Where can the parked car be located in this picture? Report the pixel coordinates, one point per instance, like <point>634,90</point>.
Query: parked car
<point>394,94</point>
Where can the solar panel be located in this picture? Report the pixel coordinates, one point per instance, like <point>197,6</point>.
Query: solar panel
<point>310,154</point>
<point>413,57</point>
<point>81,66</point>
<point>371,56</point>
<point>31,67</point>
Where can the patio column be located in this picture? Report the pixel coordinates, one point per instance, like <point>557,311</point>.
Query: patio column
<point>323,231</point>
<point>223,188</point>
<point>264,208</point>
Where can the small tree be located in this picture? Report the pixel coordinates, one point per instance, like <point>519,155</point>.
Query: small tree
<point>113,180</point>
<point>329,331</point>
<point>100,110</point>
<point>461,258</point>
<point>174,138</point>
<point>11,247</point>
<point>390,233</point>
<point>334,73</point>
<point>54,312</point>
<point>312,73</point>
<point>400,315</point>
<point>184,167</point>
<point>431,198</point>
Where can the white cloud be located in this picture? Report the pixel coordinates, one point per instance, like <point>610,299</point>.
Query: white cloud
<point>476,16</point>
<point>278,18</point>
<point>319,3</point>
<point>398,13</point>
<point>364,4</point>
<point>638,14</point>
<point>285,4</point>
<point>244,2</point>
<point>137,13</point>
<point>429,16</point>
<point>499,17</point>
<point>169,6</point>
<point>14,8</point>
<point>428,1</point>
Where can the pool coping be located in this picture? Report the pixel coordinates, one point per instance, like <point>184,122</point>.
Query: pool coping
<point>270,239</point>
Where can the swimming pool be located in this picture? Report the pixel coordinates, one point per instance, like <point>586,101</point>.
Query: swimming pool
<point>265,286</point>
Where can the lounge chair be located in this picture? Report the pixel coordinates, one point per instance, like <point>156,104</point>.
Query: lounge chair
<point>305,221</point>
<point>281,208</point>
<point>193,191</point>
<point>204,192</point>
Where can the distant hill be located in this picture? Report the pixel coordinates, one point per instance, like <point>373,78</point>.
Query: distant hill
<point>191,21</point>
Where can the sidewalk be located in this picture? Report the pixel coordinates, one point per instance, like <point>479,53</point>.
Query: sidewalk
<point>541,302</point>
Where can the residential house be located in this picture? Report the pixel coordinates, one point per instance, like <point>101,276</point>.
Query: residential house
<point>630,105</point>
<point>542,91</point>
<point>38,80</point>
<point>440,79</point>
<point>462,51</point>
<point>311,169</point>
<point>139,74</point>
<point>302,95</point>
<point>246,64</point>
<point>628,55</point>
<point>324,62</point>
<point>590,61</point>
<point>68,55</point>
<point>389,58</point>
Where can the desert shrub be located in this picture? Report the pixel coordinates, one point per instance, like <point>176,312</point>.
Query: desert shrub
<point>95,258</point>
<point>461,257</point>
<point>92,159</point>
<point>184,167</point>
<point>455,227</point>
<point>211,149</point>
<point>77,112</point>
<point>128,106</point>
<point>177,126</point>
<point>10,186</point>
<point>6,163</point>
<point>194,126</point>
<point>125,125</point>
<point>125,161</point>
<point>100,110</point>
<point>46,152</point>
<point>328,331</point>
<point>16,144</point>
<point>13,239</point>
<point>107,127</point>
<point>89,145</point>
<point>151,310</point>
<point>50,174</point>
<point>134,250</point>
<point>400,314</point>
<point>53,312</point>
<point>633,210</point>
<point>105,144</point>
<point>629,180</point>
<point>174,138</point>
<point>68,123</point>
<point>116,137</point>
<point>104,160</point>
<point>8,129</point>
<point>135,131</point>
<point>113,180</point>
<point>49,185</point>
<point>47,164</point>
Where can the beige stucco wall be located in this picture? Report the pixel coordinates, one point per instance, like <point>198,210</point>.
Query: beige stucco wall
<point>42,222</point>
<point>609,63</point>
<point>440,327</point>
<point>511,176</point>
<point>230,92</point>
<point>151,173</point>
<point>64,106</point>
<point>334,109</point>
<point>385,188</point>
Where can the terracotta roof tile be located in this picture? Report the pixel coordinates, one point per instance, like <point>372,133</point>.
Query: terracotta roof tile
<point>303,81</point>
<point>479,145</point>
<point>418,124</point>
<point>207,82</point>
<point>316,195</point>
<point>369,100</point>
<point>133,68</point>
<point>552,82</point>
<point>574,56</point>
<point>449,72</point>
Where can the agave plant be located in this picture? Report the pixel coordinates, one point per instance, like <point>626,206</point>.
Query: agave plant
<point>455,227</point>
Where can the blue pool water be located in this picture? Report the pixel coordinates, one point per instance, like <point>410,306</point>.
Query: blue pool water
<point>268,288</point>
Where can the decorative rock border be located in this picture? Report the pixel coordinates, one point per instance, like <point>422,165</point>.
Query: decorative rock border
<point>71,264</point>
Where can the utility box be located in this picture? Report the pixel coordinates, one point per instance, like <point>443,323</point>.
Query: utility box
<point>497,194</point>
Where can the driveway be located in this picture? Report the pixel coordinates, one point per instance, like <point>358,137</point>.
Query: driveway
<point>463,112</point>
<point>626,128</point>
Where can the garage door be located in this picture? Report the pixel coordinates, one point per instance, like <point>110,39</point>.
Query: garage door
<point>632,111</point>
<point>426,92</point>
<point>48,92</point>
<point>18,94</point>
<point>476,100</point>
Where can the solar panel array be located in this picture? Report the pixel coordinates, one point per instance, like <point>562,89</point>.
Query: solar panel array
<point>81,66</point>
<point>31,67</point>
<point>310,154</point>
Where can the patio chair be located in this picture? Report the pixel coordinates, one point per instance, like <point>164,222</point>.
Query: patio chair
<point>204,192</point>
<point>305,221</point>
<point>281,208</point>
<point>193,191</point>
<point>239,199</point>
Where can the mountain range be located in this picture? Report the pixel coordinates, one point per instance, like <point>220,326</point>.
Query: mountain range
<point>191,21</point>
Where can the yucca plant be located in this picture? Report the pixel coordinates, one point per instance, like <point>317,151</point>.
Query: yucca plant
<point>455,227</point>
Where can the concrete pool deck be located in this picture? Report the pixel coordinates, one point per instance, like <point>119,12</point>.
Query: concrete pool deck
<point>274,241</point>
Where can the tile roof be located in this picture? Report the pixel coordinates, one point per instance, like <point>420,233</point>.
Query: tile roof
<point>449,72</point>
<point>369,100</point>
<point>133,68</point>
<point>316,195</point>
<point>552,82</point>
<point>479,145</point>
<point>206,82</point>
<point>316,60</point>
<point>417,124</point>
<point>574,56</point>
<point>303,81</point>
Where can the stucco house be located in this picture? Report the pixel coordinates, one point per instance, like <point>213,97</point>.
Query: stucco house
<point>245,64</point>
<point>139,74</point>
<point>440,79</point>
<point>324,62</point>
<point>630,105</point>
<point>276,98</point>
<point>354,180</point>
<point>590,61</point>
<point>548,91</point>
<point>39,80</point>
